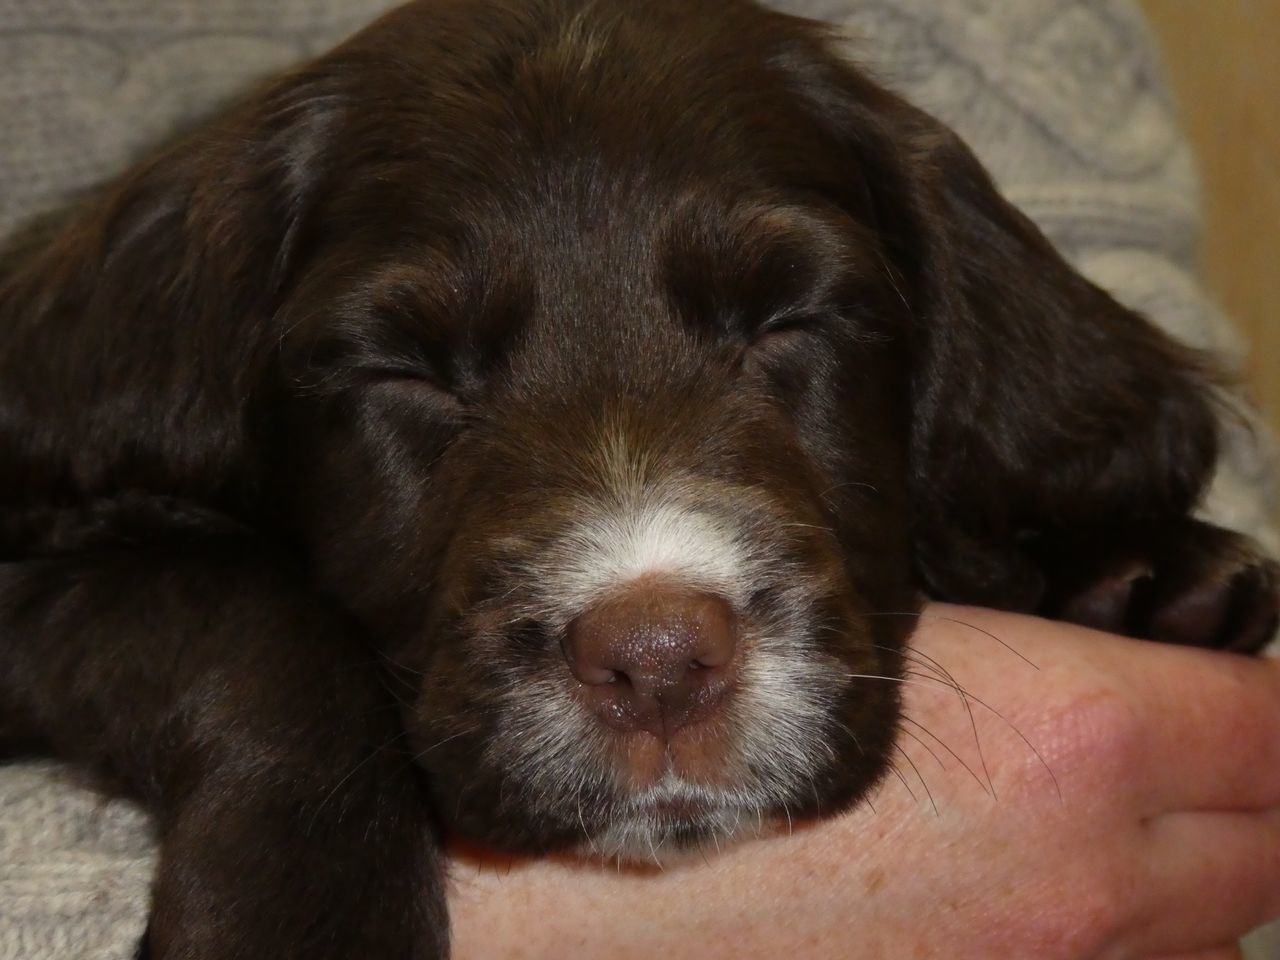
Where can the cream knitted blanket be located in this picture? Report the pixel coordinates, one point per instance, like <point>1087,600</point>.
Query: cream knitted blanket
<point>1063,99</point>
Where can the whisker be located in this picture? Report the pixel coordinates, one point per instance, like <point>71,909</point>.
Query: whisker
<point>354,770</point>
<point>840,486</point>
<point>982,703</point>
<point>927,792</point>
<point>930,749</point>
<point>942,743</point>
<point>438,744</point>
<point>893,768</point>
<point>387,658</point>
<point>702,851</point>
<point>949,680</point>
<point>583,823</point>
<point>946,677</point>
<point>653,851</point>
<point>964,623</point>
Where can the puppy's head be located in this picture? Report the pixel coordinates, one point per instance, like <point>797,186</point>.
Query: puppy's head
<point>627,369</point>
<point>603,364</point>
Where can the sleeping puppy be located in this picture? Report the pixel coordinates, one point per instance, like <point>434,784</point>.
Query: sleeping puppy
<point>533,420</point>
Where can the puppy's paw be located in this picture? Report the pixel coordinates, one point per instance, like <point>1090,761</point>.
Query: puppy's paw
<point>1197,584</point>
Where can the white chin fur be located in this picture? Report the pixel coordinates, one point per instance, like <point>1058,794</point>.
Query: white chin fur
<point>638,833</point>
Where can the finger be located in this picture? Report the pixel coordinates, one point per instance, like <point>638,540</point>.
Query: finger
<point>1231,952</point>
<point>1212,877</point>
<point>1217,746</point>
<point>1217,743</point>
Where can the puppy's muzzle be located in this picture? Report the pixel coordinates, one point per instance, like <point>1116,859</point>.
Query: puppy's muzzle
<point>656,657</point>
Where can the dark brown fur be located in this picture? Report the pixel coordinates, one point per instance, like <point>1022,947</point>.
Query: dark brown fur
<point>287,414</point>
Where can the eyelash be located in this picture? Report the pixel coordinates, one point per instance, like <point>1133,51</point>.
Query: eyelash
<point>403,369</point>
<point>782,327</point>
<point>409,375</point>
<point>786,323</point>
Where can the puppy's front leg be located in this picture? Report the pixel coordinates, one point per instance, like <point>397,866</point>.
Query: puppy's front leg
<point>200,676</point>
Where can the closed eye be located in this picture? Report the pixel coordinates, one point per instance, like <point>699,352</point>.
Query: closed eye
<point>406,373</point>
<point>423,382</point>
<point>778,342</point>
<point>786,324</point>
<point>415,399</point>
<point>782,332</point>
<point>403,385</point>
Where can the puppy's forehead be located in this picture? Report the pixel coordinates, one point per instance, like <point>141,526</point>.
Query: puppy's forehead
<point>665,89</point>
<point>584,170</point>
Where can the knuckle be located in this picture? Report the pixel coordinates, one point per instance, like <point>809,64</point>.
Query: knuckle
<point>1087,740</point>
<point>1083,919</point>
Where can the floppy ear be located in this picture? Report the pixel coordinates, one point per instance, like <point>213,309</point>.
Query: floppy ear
<point>135,338</point>
<point>1058,440</point>
<point>1047,418</point>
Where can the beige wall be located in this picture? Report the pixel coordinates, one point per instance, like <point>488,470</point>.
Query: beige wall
<point>1224,56</point>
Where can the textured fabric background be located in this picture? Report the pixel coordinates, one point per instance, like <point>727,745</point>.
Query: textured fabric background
<point>1063,99</point>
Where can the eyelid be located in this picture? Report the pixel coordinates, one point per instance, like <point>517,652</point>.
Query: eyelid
<point>399,367</point>
<point>794,321</point>
<point>403,372</point>
<point>421,392</point>
<point>409,376</point>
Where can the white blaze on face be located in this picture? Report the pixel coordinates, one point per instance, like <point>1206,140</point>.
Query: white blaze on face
<point>636,522</point>
<point>604,552</point>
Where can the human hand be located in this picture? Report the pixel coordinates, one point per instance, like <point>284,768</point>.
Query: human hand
<point>1122,805</point>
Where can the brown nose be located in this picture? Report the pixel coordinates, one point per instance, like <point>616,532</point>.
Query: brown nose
<point>655,657</point>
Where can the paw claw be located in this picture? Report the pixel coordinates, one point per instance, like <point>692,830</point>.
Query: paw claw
<point>1204,587</point>
<point>1106,604</point>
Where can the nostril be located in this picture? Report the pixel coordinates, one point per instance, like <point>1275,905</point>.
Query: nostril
<point>593,675</point>
<point>715,647</point>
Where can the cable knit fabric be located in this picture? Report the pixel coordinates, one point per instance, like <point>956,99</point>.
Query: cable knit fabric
<point>1063,99</point>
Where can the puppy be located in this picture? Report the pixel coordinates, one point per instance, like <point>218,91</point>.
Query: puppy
<point>538,419</point>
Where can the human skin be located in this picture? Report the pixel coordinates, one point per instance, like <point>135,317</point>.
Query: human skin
<point>1137,819</point>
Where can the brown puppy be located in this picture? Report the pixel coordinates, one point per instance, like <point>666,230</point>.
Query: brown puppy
<point>534,419</point>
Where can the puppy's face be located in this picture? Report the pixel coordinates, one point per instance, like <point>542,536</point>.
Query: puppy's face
<point>602,366</point>
<point>647,469</point>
